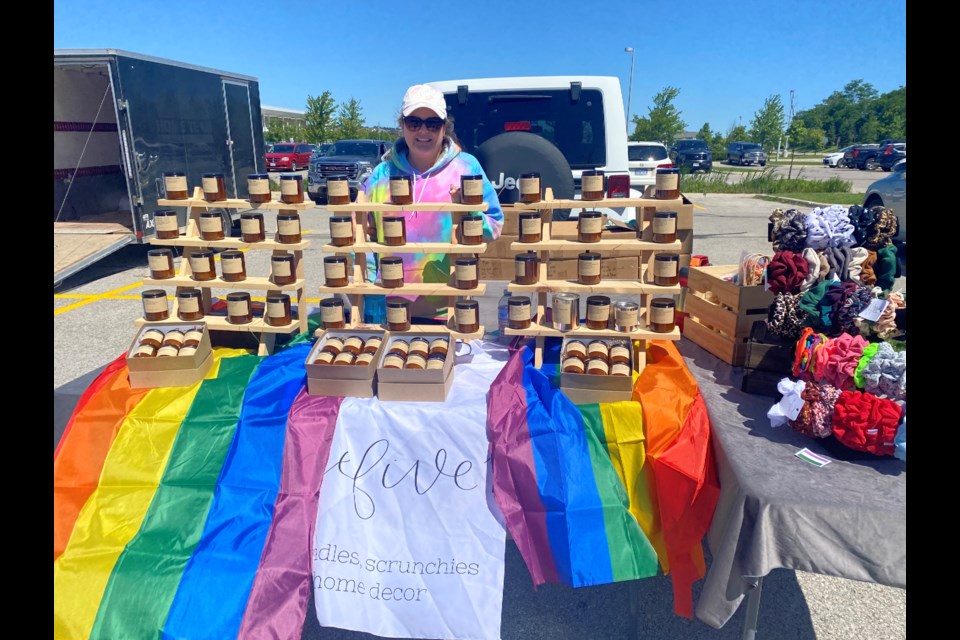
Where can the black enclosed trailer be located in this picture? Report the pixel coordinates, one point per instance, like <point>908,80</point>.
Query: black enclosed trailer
<point>121,120</point>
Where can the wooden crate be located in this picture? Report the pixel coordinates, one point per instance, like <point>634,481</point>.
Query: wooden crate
<point>720,314</point>
<point>768,360</point>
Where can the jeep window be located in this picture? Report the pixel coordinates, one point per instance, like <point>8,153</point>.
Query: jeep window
<point>576,128</point>
<point>641,152</point>
<point>353,149</point>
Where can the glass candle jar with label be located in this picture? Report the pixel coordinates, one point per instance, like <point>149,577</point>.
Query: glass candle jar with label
<point>620,369</point>
<point>666,269</point>
<point>668,184</point>
<point>155,306</point>
<point>331,314</point>
<point>335,271</point>
<point>202,266</point>
<point>252,228</point>
<point>371,345</point>
<point>344,357</point>
<point>439,346</point>
<point>398,314</point>
<point>526,265</point>
<point>626,316</point>
<point>394,361</point>
<point>175,185</point>
<point>598,312</point>
<point>598,367</point>
<point>590,226</point>
<point>323,357</point>
<point>471,189</point>
<point>465,273</point>
<point>519,312</point>
<point>588,268</point>
<point>591,185</point>
<point>166,225</point>
<point>467,313</point>
<point>419,346</point>
<point>192,337</point>
<point>160,262</point>
<point>530,187</point>
<point>167,351</point>
<point>189,304</point>
<point>576,349</point>
<point>531,227</point>
<point>573,365</point>
<point>400,347</point>
<point>288,227</point>
<point>619,353</point>
<point>565,311</point>
<point>174,337</point>
<point>283,269</point>
<point>187,351</point>
<point>233,266</point>
<point>258,188</point>
<point>211,225</point>
<point>391,272</point>
<point>291,188</point>
<point>471,229</point>
<point>363,359</point>
<point>436,361</point>
<point>338,190</point>
<point>144,351</point>
<point>415,361</point>
<point>662,315</point>
<point>214,187</point>
<point>238,308</point>
<point>394,231</point>
<point>664,226</point>
<point>598,349</point>
<point>277,312</point>
<point>333,345</point>
<point>401,190</point>
<point>341,231</point>
<point>152,337</point>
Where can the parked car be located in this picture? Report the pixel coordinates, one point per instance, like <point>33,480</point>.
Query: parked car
<point>289,156</point>
<point>352,158</point>
<point>890,155</point>
<point>321,150</point>
<point>643,159</point>
<point>694,155</point>
<point>835,159</point>
<point>891,192</point>
<point>853,158</point>
<point>741,153</point>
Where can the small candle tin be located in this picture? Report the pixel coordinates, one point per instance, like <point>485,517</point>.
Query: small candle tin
<point>283,269</point>
<point>668,184</point>
<point>372,344</point>
<point>155,306</point>
<point>399,347</point>
<point>664,226</point>
<point>288,227</point>
<point>666,269</point>
<point>565,311</point>
<point>291,188</point>
<point>252,228</point>
<point>530,187</point>
<point>419,346</point>
<point>165,222</point>
<point>144,351</point>
<point>465,273</point>
<point>344,357</point>
<point>526,265</point>
<point>598,367</point>
<point>338,190</point>
<point>576,349</point>
<point>592,185</point>
<point>258,188</point>
<point>398,314</point>
<point>620,369</point>
<point>394,231</point>
<point>211,225</point>
<point>467,313</point>
<point>471,189</point>
<point>439,346</point>
<point>598,349</point>
<point>174,337</point>
<point>662,315</point>
<point>324,357</point>
<point>175,185</point>
<point>391,272</point>
<point>519,312</point>
<point>341,231</point>
<point>331,313</point>
<point>415,361</point>
<point>626,316</point>
<point>152,337</point>
<point>531,227</point>
<point>335,271</point>
<point>214,187</point>
<point>238,308</point>
<point>233,266</point>
<point>167,351</point>
<point>619,353</point>
<point>160,262</point>
<point>363,359</point>
<point>588,268</point>
<point>436,361</point>
<point>471,229</point>
<point>191,338</point>
<point>590,226</point>
<point>393,361</point>
<point>401,189</point>
<point>277,313</point>
<point>598,312</point>
<point>189,304</point>
<point>202,265</point>
<point>573,365</point>
<point>333,345</point>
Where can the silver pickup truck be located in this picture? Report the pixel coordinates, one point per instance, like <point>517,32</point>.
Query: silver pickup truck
<point>352,158</point>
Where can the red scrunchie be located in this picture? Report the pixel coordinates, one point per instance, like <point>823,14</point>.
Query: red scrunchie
<point>865,422</point>
<point>786,272</point>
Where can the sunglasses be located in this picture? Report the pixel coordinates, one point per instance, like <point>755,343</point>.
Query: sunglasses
<point>414,123</point>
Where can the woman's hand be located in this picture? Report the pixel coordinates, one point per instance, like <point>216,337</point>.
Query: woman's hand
<point>454,194</point>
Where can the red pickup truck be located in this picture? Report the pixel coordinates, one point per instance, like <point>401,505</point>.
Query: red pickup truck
<point>289,156</point>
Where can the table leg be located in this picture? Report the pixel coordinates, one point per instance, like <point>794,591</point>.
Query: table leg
<point>753,610</point>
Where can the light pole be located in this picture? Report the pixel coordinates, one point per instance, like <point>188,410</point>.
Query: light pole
<point>633,56</point>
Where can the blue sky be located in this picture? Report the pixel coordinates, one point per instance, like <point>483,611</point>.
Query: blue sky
<point>726,57</point>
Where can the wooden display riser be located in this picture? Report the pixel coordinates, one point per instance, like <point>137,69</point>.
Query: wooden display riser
<point>605,286</point>
<point>609,246</point>
<point>367,207</point>
<point>408,289</point>
<point>410,247</point>
<point>606,203</point>
<point>540,327</point>
<point>233,203</point>
<point>415,329</point>
<point>254,283</point>
<point>231,243</point>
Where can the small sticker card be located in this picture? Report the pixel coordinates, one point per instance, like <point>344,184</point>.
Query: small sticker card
<point>874,310</point>
<point>809,456</point>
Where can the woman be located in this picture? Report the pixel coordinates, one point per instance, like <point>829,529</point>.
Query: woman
<point>430,153</point>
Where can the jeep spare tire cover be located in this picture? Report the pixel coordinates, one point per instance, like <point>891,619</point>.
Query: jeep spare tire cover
<point>506,156</point>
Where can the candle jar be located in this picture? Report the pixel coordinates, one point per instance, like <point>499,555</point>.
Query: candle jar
<point>363,359</point>
<point>439,346</point>
<point>573,365</point>
<point>258,188</point>
<point>202,266</point>
<point>324,357</point>
<point>588,268</point>
<point>175,185</point>
<point>165,222</point>
<point>152,337</point>
<point>662,318</point>
<point>565,311</point>
<point>668,184</point>
<point>415,361</point>
<point>391,272</point>
<point>664,226</point>
<point>465,273</point>
<point>335,271</point>
<point>160,262</point>
<point>155,305</point>
<point>331,314</point>
<point>531,227</point>
<point>278,310</point>
<point>400,348</point>
<point>666,269</point>
<point>353,344</point>
<point>590,226</point>
<point>576,349</point>
<point>436,361</point>
<point>288,228</point>
<point>344,357</point>
<point>338,190</point>
<point>419,346</point>
<point>291,188</point>
<point>401,189</point>
<point>238,308</point>
<point>591,185</point>
<point>619,353</point>
<point>372,345</point>
<point>598,367</point>
<point>598,312</point>
<point>144,351</point>
<point>252,228</point>
<point>471,189</point>
<point>471,229</point>
<point>214,187</point>
<point>467,313</point>
<point>167,350</point>
<point>525,268</point>
<point>394,231</point>
<point>598,349</point>
<point>173,338</point>
<point>626,316</point>
<point>620,369</point>
<point>211,226</point>
<point>187,351</point>
<point>398,314</point>
<point>394,361</point>
<point>191,338</point>
<point>333,345</point>
<point>189,304</point>
<point>519,312</point>
<point>341,231</point>
<point>233,266</point>
<point>282,268</point>
<point>530,187</point>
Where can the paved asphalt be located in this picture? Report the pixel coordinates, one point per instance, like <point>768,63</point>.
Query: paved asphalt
<point>94,313</point>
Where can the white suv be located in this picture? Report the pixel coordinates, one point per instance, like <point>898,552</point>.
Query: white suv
<point>644,158</point>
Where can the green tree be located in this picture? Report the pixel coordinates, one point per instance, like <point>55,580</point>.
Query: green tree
<point>713,139</point>
<point>350,121</point>
<point>319,118</point>
<point>282,131</point>
<point>767,125</point>
<point>814,139</point>
<point>663,122</point>
<point>737,133</point>
<point>797,133</point>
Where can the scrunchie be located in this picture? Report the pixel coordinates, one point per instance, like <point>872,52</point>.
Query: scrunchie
<point>900,441</point>
<point>753,268</point>
<point>809,301</point>
<point>786,272</point>
<point>829,227</point>
<point>864,422</point>
<point>838,258</point>
<point>813,269</point>
<point>805,354</point>
<point>886,373</point>
<point>868,353</point>
<point>830,304</point>
<point>886,267</point>
<point>791,235</point>
<point>790,390</point>
<point>861,219</point>
<point>867,275</point>
<point>855,265</point>
<point>816,416</point>
<point>847,317</point>
<point>784,317</point>
<point>885,226</point>
<point>776,219</point>
<point>886,325</point>
<point>838,359</point>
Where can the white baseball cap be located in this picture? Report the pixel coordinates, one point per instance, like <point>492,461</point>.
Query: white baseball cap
<point>423,95</point>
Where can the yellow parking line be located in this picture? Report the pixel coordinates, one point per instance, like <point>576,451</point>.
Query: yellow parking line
<point>696,206</point>
<point>95,297</point>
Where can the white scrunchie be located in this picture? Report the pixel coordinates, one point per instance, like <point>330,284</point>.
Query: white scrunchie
<point>791,390</point>
<point>830,227</point>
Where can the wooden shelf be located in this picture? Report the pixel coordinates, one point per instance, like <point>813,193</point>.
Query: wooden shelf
<point>606,203</point>
<point>541,328</point>
<point>410,247</point>
<point>361,207</point>
<point>257,284</point>
<point>231,243</point>
<point>409,289</point>
<point>219,323</point>
<point>608,246</point>
<point>415,329</point>
<point>605,286</point>
<point>234,203</point>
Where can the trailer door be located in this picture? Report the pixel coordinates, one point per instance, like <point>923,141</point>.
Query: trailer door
<point>243,155</point>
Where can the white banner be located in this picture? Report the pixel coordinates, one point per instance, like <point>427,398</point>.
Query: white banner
<point>409,542</point>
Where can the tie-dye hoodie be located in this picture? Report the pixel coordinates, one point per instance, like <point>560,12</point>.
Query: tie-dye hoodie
<point>428,226</point>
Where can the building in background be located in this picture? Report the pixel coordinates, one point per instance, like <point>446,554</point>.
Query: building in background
<point>292,117</point>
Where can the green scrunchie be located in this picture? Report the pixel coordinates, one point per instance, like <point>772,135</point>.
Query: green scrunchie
<point>810,301</point>
<point>885,267</point>
<point>868,353</point>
